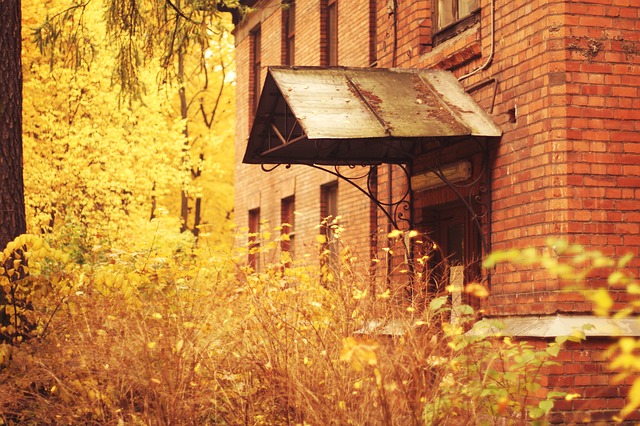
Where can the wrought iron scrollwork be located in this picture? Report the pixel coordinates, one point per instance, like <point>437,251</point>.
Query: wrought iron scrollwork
<point>474,194</point>
<point>397,210</point>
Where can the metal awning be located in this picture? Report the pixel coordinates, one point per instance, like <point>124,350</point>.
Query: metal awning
<point>359,116</point>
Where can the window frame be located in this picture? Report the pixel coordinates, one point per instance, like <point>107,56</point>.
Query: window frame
<point>255,77</point>
<point>288,32</point>
<point>329,197</point>
<point>455,27</point>
<point>287,222</point>
<point>329,28</point>
<point>253,243</point>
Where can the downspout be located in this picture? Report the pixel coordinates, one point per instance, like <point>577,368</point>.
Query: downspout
<point>390,198</point>
<point>464,77</point>
<point>493,45</point>
<point>394,54</point>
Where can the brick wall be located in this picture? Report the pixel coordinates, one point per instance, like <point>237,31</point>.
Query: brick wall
<point>582,369</point>
<point>566,166</point>
<point>256,188</point>
<point>561,79</point>
<point>562,83</point>
<point>563,86</point>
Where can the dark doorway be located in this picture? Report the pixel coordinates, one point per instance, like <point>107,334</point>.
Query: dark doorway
<point>449,254</point>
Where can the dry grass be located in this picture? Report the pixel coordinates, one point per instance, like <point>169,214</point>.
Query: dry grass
<point>187,340</point>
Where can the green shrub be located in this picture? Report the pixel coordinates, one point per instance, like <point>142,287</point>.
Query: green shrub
<point>601,279</point>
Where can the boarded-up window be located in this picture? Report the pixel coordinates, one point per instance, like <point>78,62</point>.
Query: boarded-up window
<point>255,77</point>
<point>329,28</point>
<point>288,32</point>
<point>287,217</point>
<point>254,239</point>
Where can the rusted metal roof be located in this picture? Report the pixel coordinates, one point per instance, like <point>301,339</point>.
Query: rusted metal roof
<point>335,116</point>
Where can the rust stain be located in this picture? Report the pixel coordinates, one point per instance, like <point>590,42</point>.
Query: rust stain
<point>374,102</point>
<point>435,111</point>
<point>372,98</point>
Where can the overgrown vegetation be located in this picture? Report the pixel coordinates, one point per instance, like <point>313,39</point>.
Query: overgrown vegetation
<point>112,316</point>
<point>174,335</point>
<point>606,282</point>
<point>101,167</point>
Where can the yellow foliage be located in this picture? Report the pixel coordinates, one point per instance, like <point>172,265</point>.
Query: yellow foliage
<point>359,353</point>
<point>97,168</point>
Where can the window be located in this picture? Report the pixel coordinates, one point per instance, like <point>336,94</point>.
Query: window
<point>453,16</point>
<point>255,77</point>
<point>329,214</point>
<point>373,28</point>
<point>288,32</point>
<point>330,33</point>
<point>329,201</point>
<point>254,239</point>
<point>287,219</point>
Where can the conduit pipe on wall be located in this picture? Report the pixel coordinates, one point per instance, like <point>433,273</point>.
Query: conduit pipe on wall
<point>394,55</point>
<point>493,45</point>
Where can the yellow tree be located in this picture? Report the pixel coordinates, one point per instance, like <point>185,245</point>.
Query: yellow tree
<point>106,141</point>
<point>191,39</point>
<point>205,99</point>
<point>93,165</point>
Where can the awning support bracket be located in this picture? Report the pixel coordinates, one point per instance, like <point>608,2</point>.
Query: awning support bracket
<point>474,194</point>
<point>397,211</point>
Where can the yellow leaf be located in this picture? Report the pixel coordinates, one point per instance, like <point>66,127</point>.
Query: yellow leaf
<point>394,234</point>
<point>634,399</point>
<point>384,295</point>
<point>179,345</point>
<point>357,294</point>
<point>391,387</point>
<point>359,353</point>
<point>477,290</point>
<point>376,372</point>
<point>603,301</point>
<point>627,344</point>
<point>624,260</point>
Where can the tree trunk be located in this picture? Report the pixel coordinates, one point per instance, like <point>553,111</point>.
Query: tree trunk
<point>184,197</point>
<point>12,215</point>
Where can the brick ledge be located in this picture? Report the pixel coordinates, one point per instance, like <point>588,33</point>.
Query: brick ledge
<point>558,325</point>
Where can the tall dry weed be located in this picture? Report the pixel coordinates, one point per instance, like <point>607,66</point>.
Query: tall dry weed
<point>187,339</point>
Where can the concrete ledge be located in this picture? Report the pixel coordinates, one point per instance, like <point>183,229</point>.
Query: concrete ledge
<point>558,325</point>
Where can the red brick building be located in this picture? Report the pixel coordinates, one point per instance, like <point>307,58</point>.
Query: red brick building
<point>560,80</point>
